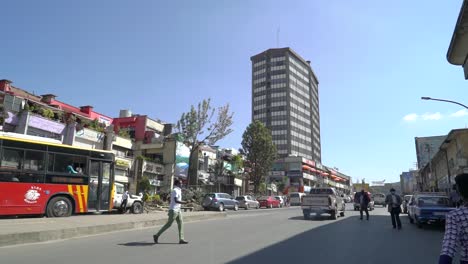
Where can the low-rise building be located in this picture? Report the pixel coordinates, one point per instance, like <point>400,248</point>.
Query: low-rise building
<point>450,160</point>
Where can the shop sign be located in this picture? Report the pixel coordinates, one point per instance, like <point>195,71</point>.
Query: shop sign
<point>154,168</point>
<point>277,173</point>
<point>238,182</point>
<point>308,162</point>
<point>122,163</point>
<point>294,173</point>
<point>309,177</point>
<point>154,125</point>
<point>90,135</point>
<point>46,125</point>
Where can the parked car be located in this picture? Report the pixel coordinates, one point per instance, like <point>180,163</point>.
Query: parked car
<point>295,198</point>
<point>405,203</point>
<point>247,202</point>
<point>323,200</point>
<point>370,206</point>
<point>379,199</point>
<point>281,199</point>
<point>428,208</point>
<point>268,202</point>
<point>220,202</point>
<point>134,202</point>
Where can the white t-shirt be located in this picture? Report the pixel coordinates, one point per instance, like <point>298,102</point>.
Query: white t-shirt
<point>176,193</point>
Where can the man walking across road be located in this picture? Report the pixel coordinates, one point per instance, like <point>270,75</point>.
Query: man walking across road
<point>174,214</point>
<point>393,201</point>
<point>364,201</point>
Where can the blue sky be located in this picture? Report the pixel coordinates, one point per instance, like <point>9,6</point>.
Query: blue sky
<point>374,61</point>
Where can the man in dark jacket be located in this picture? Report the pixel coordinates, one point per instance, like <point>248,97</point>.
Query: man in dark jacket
<point>364,201</point>
<point>394,207</point>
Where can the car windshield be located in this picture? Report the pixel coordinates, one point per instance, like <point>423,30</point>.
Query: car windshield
<point>294,195</point>
<point>433,201</point>
<point>240,198</point>
<point>211,195</point>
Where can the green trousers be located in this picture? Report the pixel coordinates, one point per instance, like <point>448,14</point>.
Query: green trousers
<point>174,215</point>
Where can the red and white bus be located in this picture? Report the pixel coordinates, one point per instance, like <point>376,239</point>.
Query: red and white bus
<point>39,176</point>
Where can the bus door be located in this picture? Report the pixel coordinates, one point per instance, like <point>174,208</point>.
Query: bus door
<point>100,185</point>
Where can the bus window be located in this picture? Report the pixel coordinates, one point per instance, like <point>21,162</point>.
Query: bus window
<point>12,159</point>
<point>68,164</point>
<point>34,160</point>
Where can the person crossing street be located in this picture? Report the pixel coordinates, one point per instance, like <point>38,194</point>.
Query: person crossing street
<point>174,214</point>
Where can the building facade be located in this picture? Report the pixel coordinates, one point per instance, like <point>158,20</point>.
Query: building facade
<point>408,181</point>
<point>426,148</point>
<point>285,98</point>
<point>297,174</point>
<point>450,160</point>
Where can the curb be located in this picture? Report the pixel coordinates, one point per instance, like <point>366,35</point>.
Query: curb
<point>73,232</point>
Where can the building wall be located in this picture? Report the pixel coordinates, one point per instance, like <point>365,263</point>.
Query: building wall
<point>426,148</point>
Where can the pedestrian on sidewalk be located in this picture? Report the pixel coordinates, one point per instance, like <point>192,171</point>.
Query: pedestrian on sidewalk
<point>174,214</point>
<point>123,205</point>
<point>364,201</point>
<point>393,202</point>
<point>456,226</point>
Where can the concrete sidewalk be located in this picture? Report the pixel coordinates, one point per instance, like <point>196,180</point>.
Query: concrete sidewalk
<point>32,230</point>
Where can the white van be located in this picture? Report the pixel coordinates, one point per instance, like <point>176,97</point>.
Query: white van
<point>295,198</point>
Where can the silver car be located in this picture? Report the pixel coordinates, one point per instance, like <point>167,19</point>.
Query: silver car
<point>247,202</point>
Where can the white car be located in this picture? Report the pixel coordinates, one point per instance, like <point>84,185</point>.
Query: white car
<point>379,199</point>
<point>280,198</point>
<point>134,202</point>
<point>295,198</point>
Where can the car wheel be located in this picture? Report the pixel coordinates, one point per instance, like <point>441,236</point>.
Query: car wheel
<point>221,207</point>
<point>59,206</point>
<point>342,214</point>
<point>206,208</point>
<point>236,207</point>
<point>137,208</point>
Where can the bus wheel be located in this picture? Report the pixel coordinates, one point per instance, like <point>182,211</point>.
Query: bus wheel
<point>59,206</point>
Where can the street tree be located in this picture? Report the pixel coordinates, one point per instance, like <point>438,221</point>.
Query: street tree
<point>198,128</point>
<point>259,151</point>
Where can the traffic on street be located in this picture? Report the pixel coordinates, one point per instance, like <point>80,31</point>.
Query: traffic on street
<point>251,236</point>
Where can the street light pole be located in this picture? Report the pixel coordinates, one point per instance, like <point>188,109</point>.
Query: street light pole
<point>443,100</point>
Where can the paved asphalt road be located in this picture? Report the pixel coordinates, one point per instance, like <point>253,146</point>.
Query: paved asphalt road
<point>254,236</point>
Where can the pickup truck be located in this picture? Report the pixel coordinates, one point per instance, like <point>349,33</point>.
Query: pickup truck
<point>134,202</point>
<point>323,200</point>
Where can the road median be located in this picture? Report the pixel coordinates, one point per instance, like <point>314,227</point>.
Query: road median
<point>34,230</point>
